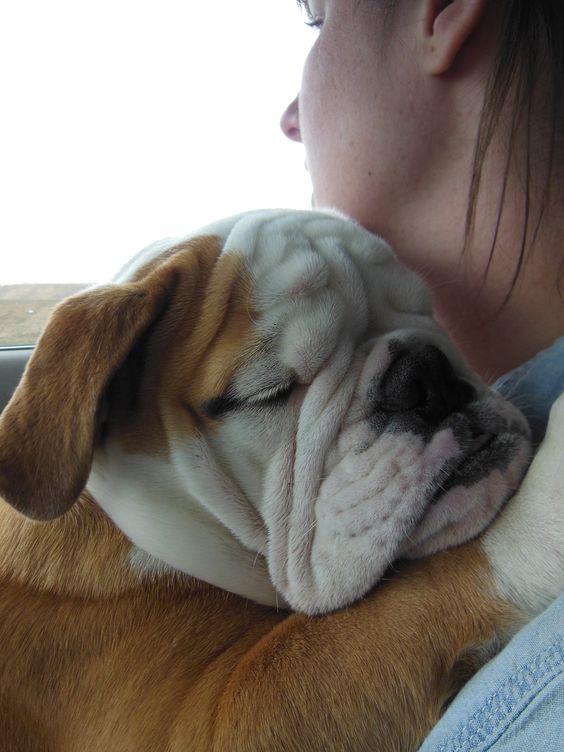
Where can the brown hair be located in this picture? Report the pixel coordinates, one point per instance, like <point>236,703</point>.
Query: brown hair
<point>531,51</point>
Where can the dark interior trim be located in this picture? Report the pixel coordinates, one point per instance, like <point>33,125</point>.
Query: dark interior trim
<point>12,363</point>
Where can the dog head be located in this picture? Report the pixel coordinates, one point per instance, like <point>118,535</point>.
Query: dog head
<point>274,393</point>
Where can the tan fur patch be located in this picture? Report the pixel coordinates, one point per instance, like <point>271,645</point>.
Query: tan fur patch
<point>146,353</point>
<point>48,429</point>
<point>375,676</point>
<point>93,659</point>
<point>190,354</point>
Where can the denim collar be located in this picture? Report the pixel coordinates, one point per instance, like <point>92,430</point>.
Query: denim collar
<point>535,385</point>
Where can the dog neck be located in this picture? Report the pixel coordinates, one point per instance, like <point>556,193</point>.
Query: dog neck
<point>81,554</point>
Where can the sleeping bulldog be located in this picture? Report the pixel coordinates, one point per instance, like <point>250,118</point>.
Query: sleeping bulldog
<point>268,407</point>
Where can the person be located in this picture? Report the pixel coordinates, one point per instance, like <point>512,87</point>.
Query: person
<point>439,124</point>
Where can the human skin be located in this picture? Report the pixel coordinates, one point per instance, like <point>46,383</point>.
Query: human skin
<point>388,113</point>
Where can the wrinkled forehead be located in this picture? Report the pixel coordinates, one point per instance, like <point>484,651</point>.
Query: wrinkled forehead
<point>269,238</point>
<point>277,293</point>
<point>292,256</point>
<point>300,260</point>
<point>266,237</point>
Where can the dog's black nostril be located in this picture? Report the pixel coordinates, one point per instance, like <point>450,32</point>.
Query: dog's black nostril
<point>422,380</point>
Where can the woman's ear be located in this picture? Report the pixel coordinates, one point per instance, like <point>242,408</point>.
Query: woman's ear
<point>445,27</point>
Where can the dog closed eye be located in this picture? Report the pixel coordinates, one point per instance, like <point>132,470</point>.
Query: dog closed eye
<point>269,396</point>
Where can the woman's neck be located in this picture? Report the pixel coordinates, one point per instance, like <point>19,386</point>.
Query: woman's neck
<point>499,310</point>
<point>496,336</point>
<point>503,318</point>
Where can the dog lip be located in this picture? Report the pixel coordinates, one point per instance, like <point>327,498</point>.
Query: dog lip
<point>481,444</point>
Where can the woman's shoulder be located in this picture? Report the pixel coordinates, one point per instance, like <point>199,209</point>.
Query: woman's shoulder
<point>535,385</point>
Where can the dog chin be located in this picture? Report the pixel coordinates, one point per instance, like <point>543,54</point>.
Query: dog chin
<point>461,511</point>
<point>402,492</point>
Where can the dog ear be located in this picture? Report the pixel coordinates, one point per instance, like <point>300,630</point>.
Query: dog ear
<point>48,429</point>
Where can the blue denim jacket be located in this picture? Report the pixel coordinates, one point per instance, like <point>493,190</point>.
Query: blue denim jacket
<point>516,702</point>
<point>535,385</point>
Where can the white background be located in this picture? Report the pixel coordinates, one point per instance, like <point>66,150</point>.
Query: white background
<point>123,121</point>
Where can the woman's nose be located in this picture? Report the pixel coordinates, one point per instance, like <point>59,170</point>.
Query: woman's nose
<point>290,122</point>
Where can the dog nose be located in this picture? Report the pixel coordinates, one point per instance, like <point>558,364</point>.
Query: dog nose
<point>422,380</point>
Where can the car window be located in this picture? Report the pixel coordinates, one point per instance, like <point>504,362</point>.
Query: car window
<point>126,121</point>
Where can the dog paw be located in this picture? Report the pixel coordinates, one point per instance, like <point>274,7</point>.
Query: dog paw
<point>525,545</point>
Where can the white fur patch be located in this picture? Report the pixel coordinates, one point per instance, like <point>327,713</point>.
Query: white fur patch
<point>526,544</point>
<point>147,565</point>
<point>147,499</point>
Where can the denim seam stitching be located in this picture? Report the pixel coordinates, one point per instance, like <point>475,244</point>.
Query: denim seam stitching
<point>505,700</point>
<point>549,678</point>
